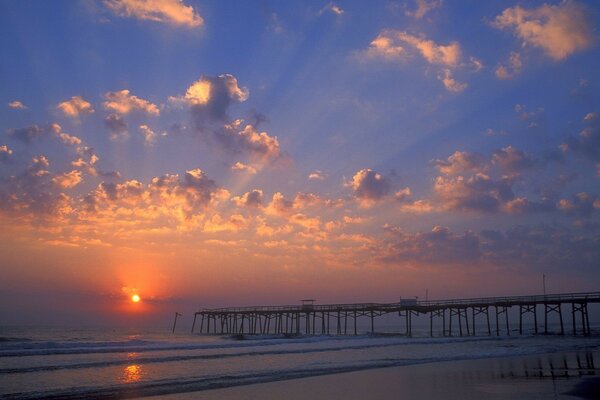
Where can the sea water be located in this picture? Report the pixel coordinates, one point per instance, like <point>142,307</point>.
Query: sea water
<point>96,363</point>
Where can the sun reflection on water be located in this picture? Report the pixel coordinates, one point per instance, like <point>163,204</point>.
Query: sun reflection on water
<point>132,373</point>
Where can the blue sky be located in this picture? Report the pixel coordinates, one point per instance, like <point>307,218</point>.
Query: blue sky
<point>408,142</point>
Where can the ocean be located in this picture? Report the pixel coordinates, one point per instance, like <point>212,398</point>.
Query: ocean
<point>38,363</point>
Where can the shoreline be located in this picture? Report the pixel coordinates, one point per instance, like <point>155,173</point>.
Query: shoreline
<point>559,375</point>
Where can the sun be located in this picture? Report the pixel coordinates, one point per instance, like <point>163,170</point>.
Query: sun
<point>135,298</point>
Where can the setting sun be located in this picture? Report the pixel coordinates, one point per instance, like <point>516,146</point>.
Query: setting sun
<point>135,298</point>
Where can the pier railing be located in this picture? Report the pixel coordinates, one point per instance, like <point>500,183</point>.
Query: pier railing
<point>286,319</point>
<point>412,303</point>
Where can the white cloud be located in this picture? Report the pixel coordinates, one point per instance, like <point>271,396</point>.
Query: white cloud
<point>173,12</point>
<point>317,175</point>
<point>149,135</point>
<point>332,8</point>
<point>17,105</point>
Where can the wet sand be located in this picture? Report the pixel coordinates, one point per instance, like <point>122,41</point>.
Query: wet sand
<point>560,376</point>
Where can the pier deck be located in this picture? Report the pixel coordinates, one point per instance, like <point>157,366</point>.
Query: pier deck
<point>324,319</point>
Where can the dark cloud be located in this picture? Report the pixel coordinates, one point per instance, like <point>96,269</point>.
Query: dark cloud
<point>512,160</point>
<point>210,97</point>
<point>32,192</point>
<point>586,143</point>
<point>116,125</point>
<point>439,245</point>
<point>518,247</point>
<point>369,185</point>
<point>252,199</point>
<point>28,134</point>
<point>476,193</point>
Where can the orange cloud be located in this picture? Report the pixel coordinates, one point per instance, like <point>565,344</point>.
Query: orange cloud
<point>75,107</point>
<point>173,12</point>
<point>559,30</point>
<point>122,102</point>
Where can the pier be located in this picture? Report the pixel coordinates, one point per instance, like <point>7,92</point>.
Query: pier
<point>458,317</point>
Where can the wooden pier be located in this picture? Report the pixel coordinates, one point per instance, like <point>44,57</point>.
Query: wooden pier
<point>458,316</point>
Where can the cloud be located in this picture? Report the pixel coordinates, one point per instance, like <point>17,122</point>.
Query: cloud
<point>582,204</point>
<point>450,83</point>
<point>517,247</point>
<point>17,105</point>
<point>591,116</point>
<point>385,47</point>
<point>34,132</point>
<point>476,193</point>
<point>439,246</point>
<point>403,194</point>
<point>260,146</point>
<point>169,196</point>
<point>461,162</point>
<point>317,175</point>
<point>173,12</point>
<point>122,102</point>
<point>149,135</point>
<point>28,134</point>
<point>67,139</point>
<point>253,198</point>
<point>31,193</point>
<point>423,7</point>
<point>586,143</point>
<point>332,8</point>
<point>449,55</point>
<point>116,125</point>
<point>209,98</point>
<point>512,160</point>
<point>369,186</point>
<point>522,205</point>
<point>68,180</point>
<point>394,45</point>
<point>234,223</point>
<point>559,30</point>
<point>533,117</point>
<point>5,153</point>
<point>75,107</point>
<point>240,166</point>
<point>511,68</point>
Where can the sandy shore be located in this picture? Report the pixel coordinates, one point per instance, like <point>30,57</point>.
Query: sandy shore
<point>551,376</point>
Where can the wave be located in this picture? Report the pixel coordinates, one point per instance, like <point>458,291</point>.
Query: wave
<point>196,384</point>
<point>141,346</point>
<point>360,345</point>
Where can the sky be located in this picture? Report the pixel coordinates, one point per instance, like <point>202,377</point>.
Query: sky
<point>218,153</point>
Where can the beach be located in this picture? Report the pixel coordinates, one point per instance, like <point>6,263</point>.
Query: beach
<point>520,377</point>
<point>113,364</point>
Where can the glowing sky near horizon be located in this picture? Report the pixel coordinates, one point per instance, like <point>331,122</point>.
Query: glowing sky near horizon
<point>209,153</point>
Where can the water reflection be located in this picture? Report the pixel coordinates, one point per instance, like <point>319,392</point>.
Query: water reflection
<point>553,366</point>
<point>132,373</point>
